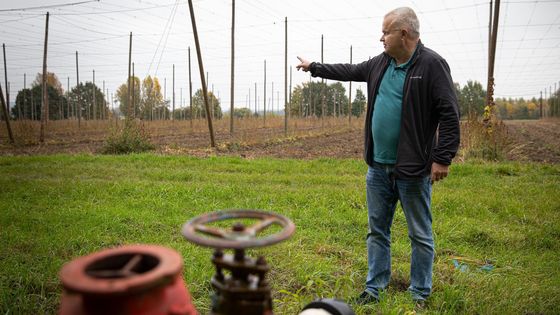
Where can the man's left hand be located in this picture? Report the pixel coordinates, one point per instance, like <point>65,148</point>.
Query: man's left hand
<point>439,171</point>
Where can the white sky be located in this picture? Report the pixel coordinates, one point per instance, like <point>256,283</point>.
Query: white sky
<point>527,56</point>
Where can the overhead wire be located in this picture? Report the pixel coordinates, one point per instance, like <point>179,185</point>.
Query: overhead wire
<point>213,52</point>
<point>47,6</point>
<point>166,29</point>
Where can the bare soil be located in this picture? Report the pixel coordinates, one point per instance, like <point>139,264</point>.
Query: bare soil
<point>530,140</point>
<point>534,140</point>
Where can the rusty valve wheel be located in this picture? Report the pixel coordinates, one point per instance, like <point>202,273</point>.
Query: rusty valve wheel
<point>239,237</point>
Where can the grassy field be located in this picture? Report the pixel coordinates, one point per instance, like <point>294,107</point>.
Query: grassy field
<point>56,208</point>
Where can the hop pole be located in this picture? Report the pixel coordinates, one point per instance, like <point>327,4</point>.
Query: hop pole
<point>5,112</point>
<point>201,68</point>
<point>45,114</point>
<point>493,36</point>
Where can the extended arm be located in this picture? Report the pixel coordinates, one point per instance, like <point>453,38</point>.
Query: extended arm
<point>339,71</point>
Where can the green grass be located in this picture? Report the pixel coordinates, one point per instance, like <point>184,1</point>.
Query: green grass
<point>56,208</point>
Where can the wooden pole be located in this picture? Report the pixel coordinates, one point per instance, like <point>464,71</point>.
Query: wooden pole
<point>6,117</point>
<point>67,99</point>
<point>540,106</point>
<point>490,16</point>
<point>322,91</point>
<point>556,102</point>
<point>24,95</point>
<point>286,112</point>
<point>549,99</point>
<point>201,69</point>
<point>113,106</point>
<point>6,80</point>
<point>232,89</point>
<point>133,93</point>
<point>311,105</point>
<point>180,102</point>
<point>79,105</point>
<point>323,108</point>
<point>190,89</point>
<point>128,102</point>
<point>264,98</point>
<point>290,92</point>
<point>173,93</point>
<point>491,59</point>
<point>350,95</point>
<point>94,100</point>
<point>108,110</point>
<point>103,112</point>
<point>44,116</point>
<point>256,112</point>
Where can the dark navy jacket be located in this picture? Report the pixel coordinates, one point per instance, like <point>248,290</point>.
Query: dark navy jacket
<point>429,103</point>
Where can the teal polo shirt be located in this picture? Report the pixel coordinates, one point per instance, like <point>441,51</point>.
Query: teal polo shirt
<point>386,120</point>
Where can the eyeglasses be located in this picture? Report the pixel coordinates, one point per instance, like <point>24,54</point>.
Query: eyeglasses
<point>385,33</point>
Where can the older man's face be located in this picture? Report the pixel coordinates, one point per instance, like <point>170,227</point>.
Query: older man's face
<point>391,37</point>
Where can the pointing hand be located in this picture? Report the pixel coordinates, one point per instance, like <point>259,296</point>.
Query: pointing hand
<point>304,65</point>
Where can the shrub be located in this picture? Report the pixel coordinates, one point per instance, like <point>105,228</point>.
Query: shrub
<point>131,138</point>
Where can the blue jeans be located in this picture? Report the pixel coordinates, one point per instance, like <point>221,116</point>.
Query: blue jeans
<point>382,192</point>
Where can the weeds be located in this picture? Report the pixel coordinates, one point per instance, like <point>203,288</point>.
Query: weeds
<point>132,138</point>
<point>480,142</point>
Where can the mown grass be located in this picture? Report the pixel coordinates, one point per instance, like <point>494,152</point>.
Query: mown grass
<point>56,208</point>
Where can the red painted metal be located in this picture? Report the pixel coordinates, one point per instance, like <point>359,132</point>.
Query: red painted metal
<point>137,279</point>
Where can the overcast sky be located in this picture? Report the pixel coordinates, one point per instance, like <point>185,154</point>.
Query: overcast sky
<point>527,56</point>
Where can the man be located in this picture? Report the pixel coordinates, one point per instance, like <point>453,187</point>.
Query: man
<point>411,136</point>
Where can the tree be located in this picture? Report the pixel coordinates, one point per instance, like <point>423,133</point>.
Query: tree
<point>359,103</point>
<point>29,103</point>
<point>52,80</point>
<point>242,112</point>
<point>199,110</point>
<point>85,105</point>
<point>307,99</point>
<point>554,103</point>
<point>472,98</point>
<point>152,104</point>
<point>296,103</point>
<point>122,97</point>
<point>337,104</point>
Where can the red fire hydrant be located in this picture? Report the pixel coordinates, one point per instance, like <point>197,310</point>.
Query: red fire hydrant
<point>138,279</point>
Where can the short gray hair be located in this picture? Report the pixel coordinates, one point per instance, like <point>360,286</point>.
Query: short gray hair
<point>405,17</point>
